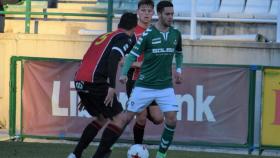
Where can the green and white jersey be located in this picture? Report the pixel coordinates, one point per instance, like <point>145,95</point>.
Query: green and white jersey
<point>159,49</point>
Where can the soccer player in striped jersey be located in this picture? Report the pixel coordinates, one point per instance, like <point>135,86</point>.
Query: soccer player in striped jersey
<point>95,84</point>
<point>145,12</point>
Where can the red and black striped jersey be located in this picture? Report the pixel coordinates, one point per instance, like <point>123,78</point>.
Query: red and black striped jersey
<point>100,63</point>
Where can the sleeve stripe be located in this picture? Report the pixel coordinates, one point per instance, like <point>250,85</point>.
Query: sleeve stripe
<point>119,50</point>
<point>133,53</point>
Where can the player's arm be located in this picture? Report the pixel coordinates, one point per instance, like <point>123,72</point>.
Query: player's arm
<point>178,60</point>
<point>115,56</point>
<point>114,59</point>
<point>129,60</point>
<point>119,49</point>
<point>131,57</point>
<point>136,63</point>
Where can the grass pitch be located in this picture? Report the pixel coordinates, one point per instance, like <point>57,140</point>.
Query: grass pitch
<point>50,150</point>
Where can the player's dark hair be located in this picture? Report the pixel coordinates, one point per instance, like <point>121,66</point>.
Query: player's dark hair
<point>162,4</point>
<point>128,21</point>
<point>146,2</point>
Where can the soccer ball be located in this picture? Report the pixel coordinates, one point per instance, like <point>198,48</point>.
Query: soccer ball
<point>138,151</point>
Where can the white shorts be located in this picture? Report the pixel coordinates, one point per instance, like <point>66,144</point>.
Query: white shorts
<point>142,97</point>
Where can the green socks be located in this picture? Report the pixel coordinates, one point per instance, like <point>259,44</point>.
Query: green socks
<point>166,140</point>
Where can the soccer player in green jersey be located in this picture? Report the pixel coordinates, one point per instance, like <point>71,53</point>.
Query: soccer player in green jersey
<point>159,43</point>
<point>145,13</point>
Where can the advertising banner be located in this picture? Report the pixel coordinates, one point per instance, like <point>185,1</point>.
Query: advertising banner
<point>271,108</point>
<point>213,103</point>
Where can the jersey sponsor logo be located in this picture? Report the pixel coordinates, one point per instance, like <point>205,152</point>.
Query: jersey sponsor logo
<point>163,50</point>
<point>102,38</point>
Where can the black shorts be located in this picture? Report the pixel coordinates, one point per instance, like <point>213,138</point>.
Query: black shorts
<point>130,85</point>
<point>93,96</point>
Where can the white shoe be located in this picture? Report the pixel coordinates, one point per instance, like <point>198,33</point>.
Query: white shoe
<point>71,155</point>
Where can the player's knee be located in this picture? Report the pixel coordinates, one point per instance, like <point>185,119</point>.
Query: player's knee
<point>119,120</point>
<point>123,118</point>
<point>157,120</point>
<point>141,117</point>
<point>141,121</point>
<point>171,122</point>
<point>171,118</point>
<point>101,123</point>
<point>101,120</point>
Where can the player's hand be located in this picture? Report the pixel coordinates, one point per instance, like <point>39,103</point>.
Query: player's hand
<point>121,62</point>
<point>178,78</point>
<point>137,64</point>
<point>123,79</point>
<point>110,97</point>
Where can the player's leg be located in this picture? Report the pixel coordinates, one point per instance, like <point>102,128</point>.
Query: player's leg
<point>140,123</point>
<point>141,97</point>
<point>154,114</point>
<point>146,96</point>
<point>167,102</point>
<point>111,133</point>
<point>139,127</point>
<point>114,129</point>
<point>91,103</point>
<point>167,134</point>
<point>136,103</point>
<point>89,134</point>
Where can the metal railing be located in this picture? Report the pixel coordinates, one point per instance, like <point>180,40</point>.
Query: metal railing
<point>194,19</point>
<point>28,13</point>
